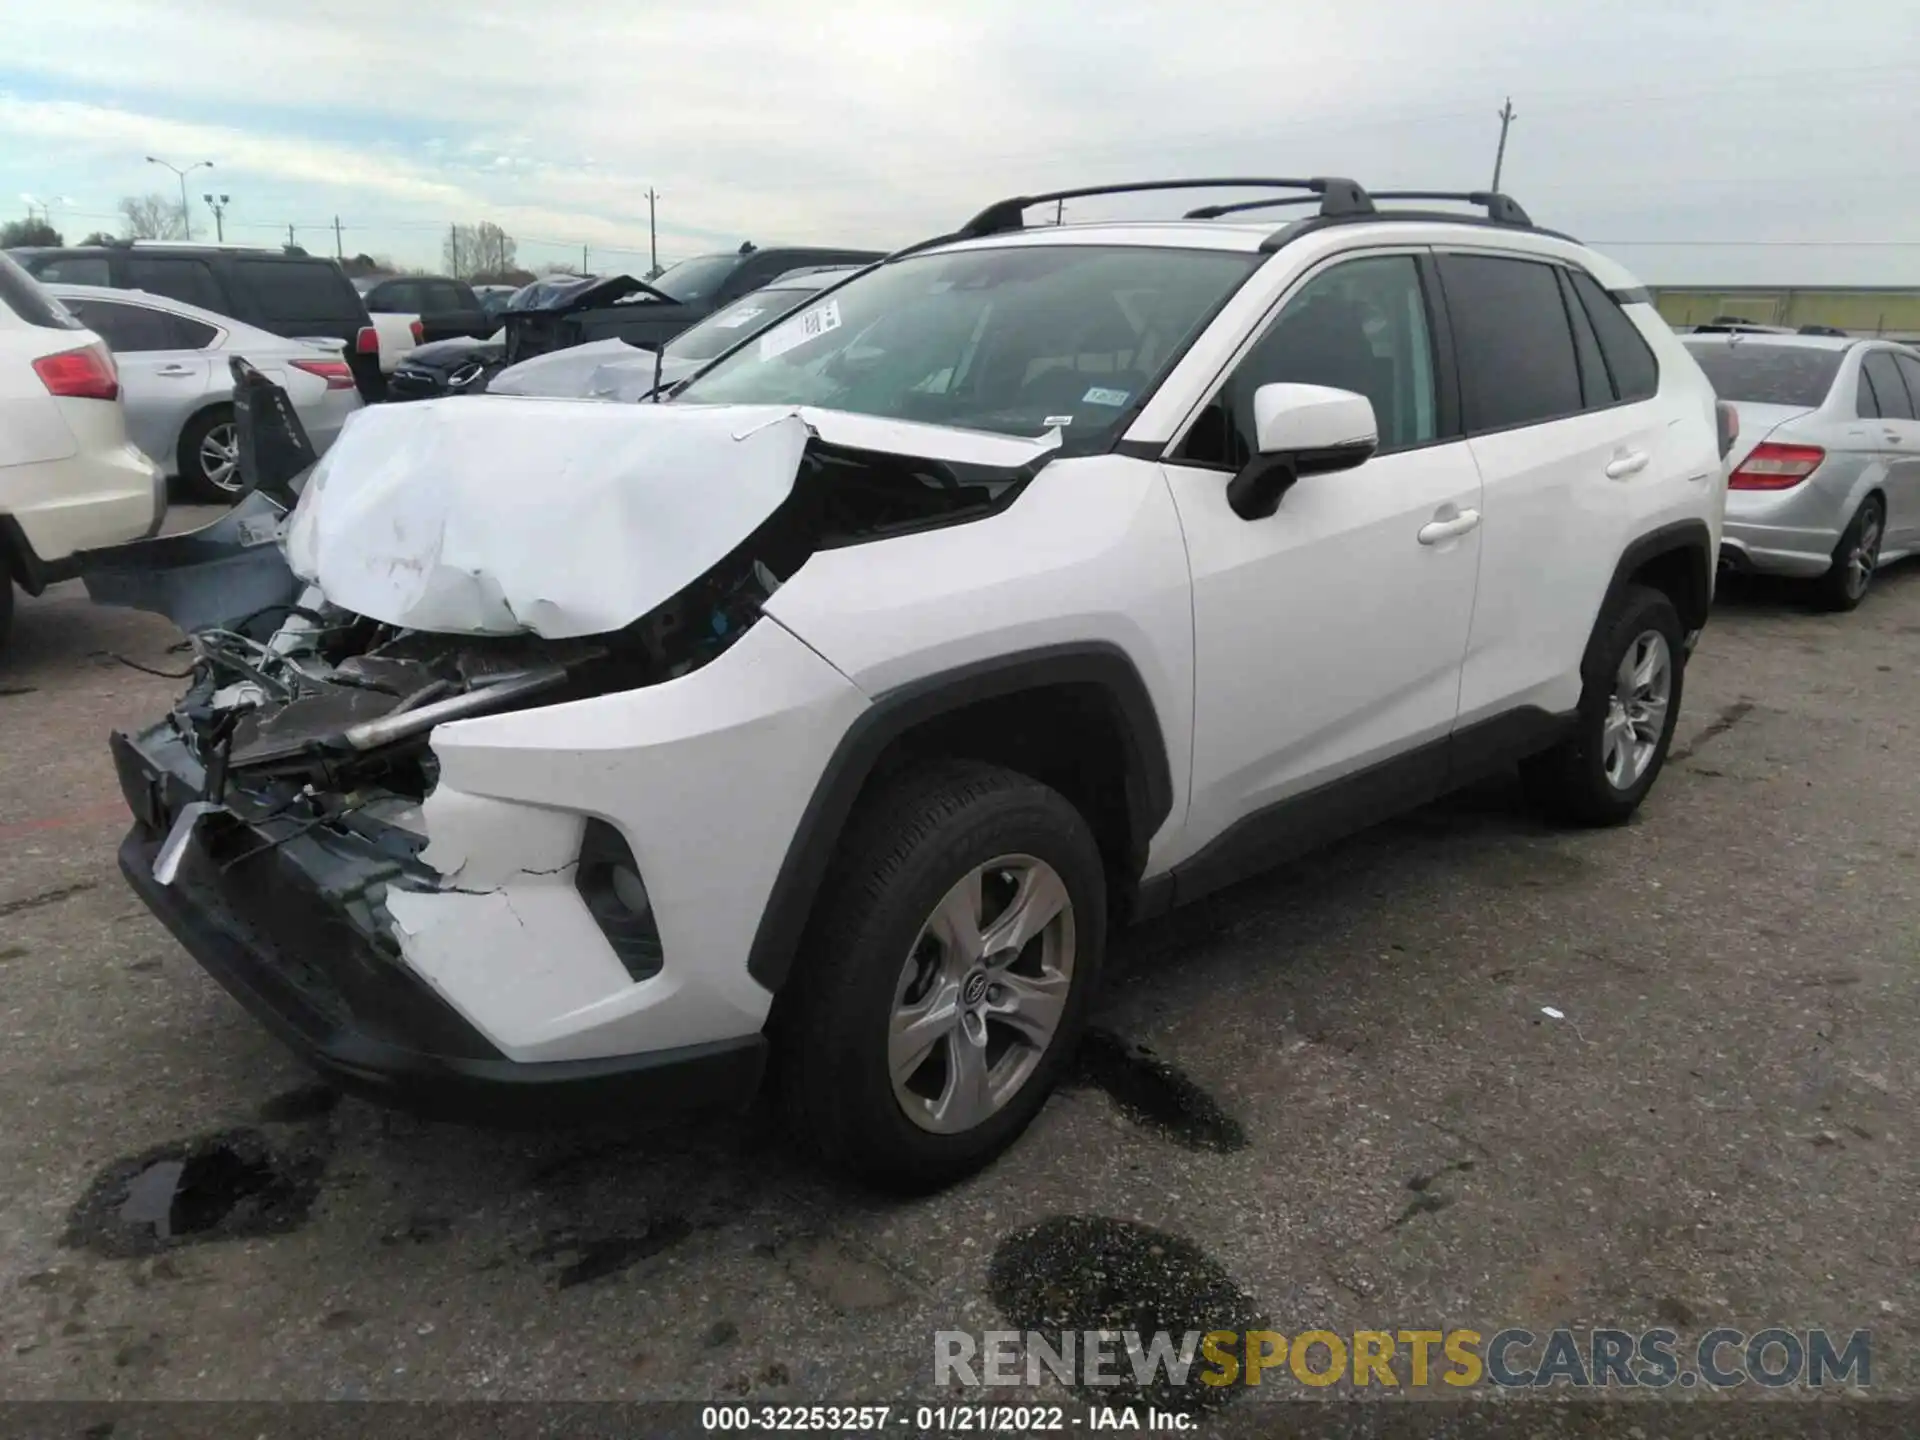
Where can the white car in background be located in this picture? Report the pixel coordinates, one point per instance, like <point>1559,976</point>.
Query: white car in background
<point>178,390</point>
<point>69,478</point>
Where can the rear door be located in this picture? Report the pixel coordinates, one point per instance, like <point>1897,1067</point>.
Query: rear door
<point>165,372</point>
<point>1569,457</point>
<point>1898,433</point>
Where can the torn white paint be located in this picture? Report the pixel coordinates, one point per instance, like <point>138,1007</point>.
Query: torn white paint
<point>499,514</point>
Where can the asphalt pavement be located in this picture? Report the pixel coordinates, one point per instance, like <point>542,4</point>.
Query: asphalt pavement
<point>1462,1071</point>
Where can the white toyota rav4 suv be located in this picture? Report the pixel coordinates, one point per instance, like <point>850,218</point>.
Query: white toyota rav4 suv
<point>69,477</point>
<point>1027,581</point>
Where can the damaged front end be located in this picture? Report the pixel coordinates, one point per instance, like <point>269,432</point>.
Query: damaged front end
<point>431,573</point>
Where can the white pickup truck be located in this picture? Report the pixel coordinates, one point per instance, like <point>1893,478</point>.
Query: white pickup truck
<point>394,335</point>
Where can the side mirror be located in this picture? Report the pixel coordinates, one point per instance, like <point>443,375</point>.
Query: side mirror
<point>1301,430</point>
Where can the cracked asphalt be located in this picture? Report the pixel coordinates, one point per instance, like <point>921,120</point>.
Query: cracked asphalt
<point>1351,1110</point>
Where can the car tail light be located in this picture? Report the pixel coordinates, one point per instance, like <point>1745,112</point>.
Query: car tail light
<point>84,374</point>
<point>1776,467</point>
<point>1728,419</point>
<point>418,330</point>
<point>367,342</point>
<point>337,373</point>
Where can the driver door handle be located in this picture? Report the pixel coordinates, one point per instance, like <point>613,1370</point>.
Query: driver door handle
<point>1435,531</point>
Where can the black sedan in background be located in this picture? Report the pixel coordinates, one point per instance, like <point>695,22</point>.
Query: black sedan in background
<point>567,310</point>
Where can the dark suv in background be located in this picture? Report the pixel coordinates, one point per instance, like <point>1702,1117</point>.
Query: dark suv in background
<point>287,292</point>
<point>448,309</point>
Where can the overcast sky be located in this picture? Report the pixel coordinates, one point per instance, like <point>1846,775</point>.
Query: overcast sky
<point>1693,122</point>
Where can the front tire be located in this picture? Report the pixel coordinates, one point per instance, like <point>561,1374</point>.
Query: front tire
<point>1629,704</point>
<point>210,457</point>
<point>1855,559</point>
<point>946,976</point>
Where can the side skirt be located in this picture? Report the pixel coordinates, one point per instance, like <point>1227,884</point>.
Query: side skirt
<point>1301,823</point>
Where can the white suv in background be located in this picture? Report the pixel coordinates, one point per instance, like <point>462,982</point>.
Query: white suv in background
<point>1029,580</point>
<point>69,477</point>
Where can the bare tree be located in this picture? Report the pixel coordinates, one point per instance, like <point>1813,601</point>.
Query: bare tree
<point>472,250</point>
<point>151,217</point>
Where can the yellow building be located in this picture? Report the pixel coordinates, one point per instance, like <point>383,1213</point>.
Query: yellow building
<point>1891,312</point>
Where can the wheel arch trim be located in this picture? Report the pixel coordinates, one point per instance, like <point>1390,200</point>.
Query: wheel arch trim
<point>895,712</point>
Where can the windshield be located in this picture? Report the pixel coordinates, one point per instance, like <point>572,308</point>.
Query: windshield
<point>1764,374</point>
<point>697,278</point>
<point>1016,340</point>
<point>746,316</point>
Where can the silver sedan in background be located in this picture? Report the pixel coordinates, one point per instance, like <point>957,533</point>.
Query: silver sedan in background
<point>177,390</point>
<point>1824,480</point>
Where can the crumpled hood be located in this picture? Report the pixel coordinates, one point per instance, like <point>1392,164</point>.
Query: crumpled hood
<point>564,372</point>
<point>498,515</point>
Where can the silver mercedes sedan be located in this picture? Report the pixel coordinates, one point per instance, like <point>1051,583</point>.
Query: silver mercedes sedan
<point>177,390</point>
<point>1824,480</point>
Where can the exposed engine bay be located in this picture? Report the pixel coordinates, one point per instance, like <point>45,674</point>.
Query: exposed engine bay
<point>308,698</point>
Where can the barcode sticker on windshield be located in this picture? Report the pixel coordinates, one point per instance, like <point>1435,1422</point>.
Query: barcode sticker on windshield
<point>799,330</point>
<point>1097,396</point>
<point>738,318</point>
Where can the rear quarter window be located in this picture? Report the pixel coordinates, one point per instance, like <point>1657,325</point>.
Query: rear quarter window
<point>1636,375</point>
<point>295,291</point>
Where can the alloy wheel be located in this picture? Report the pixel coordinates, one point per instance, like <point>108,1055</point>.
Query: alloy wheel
<point>1864,555</point>
<point>1637,710</point>
<point>982,993</point>
<point>220,457</point>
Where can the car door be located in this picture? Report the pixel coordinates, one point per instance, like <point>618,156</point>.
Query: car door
<point>164,369</point>
<point>1329,635</point>
<point>1896,386</point>
<point>1569,457</point>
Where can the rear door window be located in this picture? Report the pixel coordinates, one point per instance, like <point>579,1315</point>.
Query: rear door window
<point>127,329</point>
<point>1514,341</point>
<point>178,277</point>
<point>73,270</point>
<point>442,297</point>
<point>1630,362</point>
<point>1888,388</point>
<point>299,292</point>
<point>1866,404</point>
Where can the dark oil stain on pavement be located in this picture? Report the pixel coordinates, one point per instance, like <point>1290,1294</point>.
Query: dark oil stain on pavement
<point>225,1186</point>
<point>304,1102</point>
<point>1159,1096</point>
<point>1089,1272</point>
<point>44,897</point>
<point>595,1259</point>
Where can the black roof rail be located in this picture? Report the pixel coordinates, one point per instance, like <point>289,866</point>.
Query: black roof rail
<point>1337,197</point>
<point>1501,208</point>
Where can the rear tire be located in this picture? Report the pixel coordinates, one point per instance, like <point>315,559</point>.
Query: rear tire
<point>1855,559</point>
<point>1629,704</point>
<point>210,458</point>
<point>911,954</point>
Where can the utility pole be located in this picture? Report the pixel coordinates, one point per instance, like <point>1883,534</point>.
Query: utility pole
<point>186,220</point>
<point>583,259</point>
<point>338,252</point>
<point>653,236</point>
<point>1500,155</point>
<point>453,249</point>
<point>219,207</point>
<point>290,240</point>
<point>1059,212</point>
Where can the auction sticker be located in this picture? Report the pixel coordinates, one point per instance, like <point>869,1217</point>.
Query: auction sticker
<point>811,326</point>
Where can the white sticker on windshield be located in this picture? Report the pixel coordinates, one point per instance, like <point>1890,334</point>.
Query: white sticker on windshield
<point>1097,396</point>
<point>1054,420</point>
<point>799,330</point>
<point>738,318</point>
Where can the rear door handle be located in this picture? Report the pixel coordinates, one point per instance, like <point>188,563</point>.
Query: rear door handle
<point>1631,463</point>
<point>174,370</point>
<point>1893,437</point>
<point>1436,531</point>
